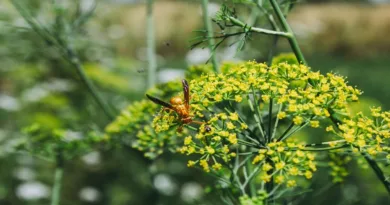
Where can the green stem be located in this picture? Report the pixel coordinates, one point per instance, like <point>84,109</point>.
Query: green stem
<point>74,60</point>
<point>59,172</point>
<point>257,116</point>
<point>373,164</point>
<point>285,132</point>
<point>252,187</point>
<point>325,148</point>
<point>69,55</point>
<point>291,37</point>
<point>270,185</point>
<point>276,122</point>
<point>237,22</point>
<point>209,29</point>
<point>150,44</point>
<point>269,16</point>
<point>270,120</point>
<point>294,131</point>
<point>378,171</point>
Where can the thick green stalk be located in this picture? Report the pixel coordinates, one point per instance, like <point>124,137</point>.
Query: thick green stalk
<point>150,44</point>
<point>69,55</point>
<point>59,172</point>
<point>291,38</point>
<point>73,59</point>
<point>373,164</point>
<point>270,120</point>
<point>237,22</point>
<point>209,29</point>
<point>378,171</point>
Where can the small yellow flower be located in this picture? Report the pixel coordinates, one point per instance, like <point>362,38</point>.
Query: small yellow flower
<point>258,158</point>
<point>244,126</point>
<point>300,153</point>
<point>267,167</point>
<point>217,166</point>
<point>238,98</point>
<point>265,98</point>
<point>191,163</point>
<point>187,140</point>
<point>349,137</point>
<point>230,125</point>
<point>233,116</point>
<point>218,97</point>
<point>279,179</point>
<point>329,128</point>
<point>308,174</point>
<point>233,138</point>
<point>291,183</point>
<point>314,123</point>
<point>294,171</point>
<point>204,165</point>
<point>210,150</point>
<point>266,178</point>
<point>280,165</point>
<point>298,120</point>
<point>280,149</point>
<point>281,115</point>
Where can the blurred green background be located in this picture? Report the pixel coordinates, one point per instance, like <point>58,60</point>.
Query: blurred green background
<point>36,85</point>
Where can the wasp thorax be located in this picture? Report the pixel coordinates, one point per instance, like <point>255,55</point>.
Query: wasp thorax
<point>176,101</point>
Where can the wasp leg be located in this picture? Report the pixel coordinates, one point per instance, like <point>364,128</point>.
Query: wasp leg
<point>180,129</point>
<point>197,122</point>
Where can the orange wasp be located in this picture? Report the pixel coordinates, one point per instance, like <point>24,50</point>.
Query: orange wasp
<point>181,108</point>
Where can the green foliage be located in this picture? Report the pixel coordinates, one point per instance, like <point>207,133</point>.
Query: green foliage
<point>47,143</point>
<point>255,200</point>
<point>288,58</point>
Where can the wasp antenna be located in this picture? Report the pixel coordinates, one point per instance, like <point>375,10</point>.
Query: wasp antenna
<point>186,91</point>
<point>159,102</point>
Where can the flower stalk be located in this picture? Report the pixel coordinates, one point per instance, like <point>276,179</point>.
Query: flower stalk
<point>291,36</point>
<point>209,31</point>
<point>58,175</point>
<point>150,44</point>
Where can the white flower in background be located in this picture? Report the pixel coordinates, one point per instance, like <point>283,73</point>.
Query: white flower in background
<point>229,54</point>
<point>89,194</point>
<point>169,74</point>
<point>20,22</point>
<point>116,32</point>
<point>305,30</point>
<point>35,93</point>
<point>213,8</point>
<point>60,85</point>
<point>86,5</point>
<point>191,191</point>
<point>198,56</point>
<point>42,90</point>
<point>9,103</point>
<point>165,184</point>
<point>32,191</point>
<point>24,173</point>
<point>72,135</point>
<point>92,158</point>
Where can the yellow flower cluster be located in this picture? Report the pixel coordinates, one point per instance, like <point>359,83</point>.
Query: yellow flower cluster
<point>337,163</point>
<point>258,199</point>
<point>299,94</point>
<point>213,141</point>
<point>135,121</point>
<point>284,161</point>
<point>304,94</point>
<point>367,134</point>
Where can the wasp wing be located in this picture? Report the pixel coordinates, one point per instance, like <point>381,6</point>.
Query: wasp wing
<point>160,102</point>
<point>186,91</point>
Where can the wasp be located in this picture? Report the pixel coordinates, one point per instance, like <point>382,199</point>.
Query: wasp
<point>180,106</point>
